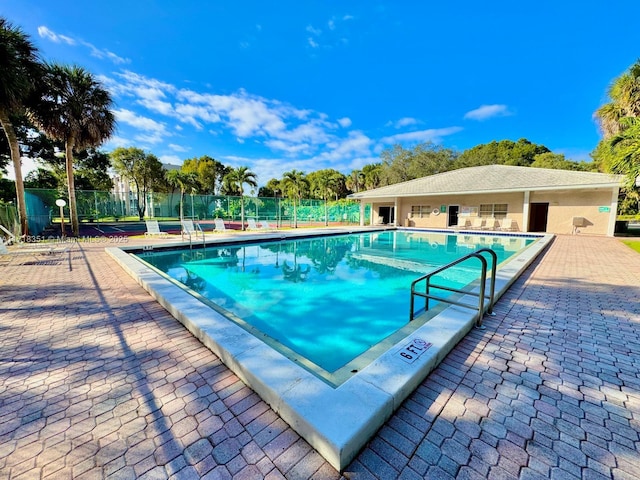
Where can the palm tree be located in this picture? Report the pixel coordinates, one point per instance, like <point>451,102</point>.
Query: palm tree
<point>20,70</point>
<point>325,183</point>
<point>620,124</point>
<point>238,177</point>
<point>624,93</point>
<point>183,181</point>
<point>295,185</point>
<point>625,151</point>
<point>75,109</point>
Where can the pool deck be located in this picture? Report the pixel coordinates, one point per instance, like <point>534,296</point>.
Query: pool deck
<point>97,380</point>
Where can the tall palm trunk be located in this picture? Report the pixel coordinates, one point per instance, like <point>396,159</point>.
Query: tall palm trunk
<point>73,210</point>
<point>17,167</point>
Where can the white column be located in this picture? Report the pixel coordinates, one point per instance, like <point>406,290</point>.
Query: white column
<point>525,211</point>
<point>613,213</point>
<point>396,211</point>
<point>362,205</point>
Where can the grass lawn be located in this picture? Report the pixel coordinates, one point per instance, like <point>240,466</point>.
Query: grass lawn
<point>635,244</point>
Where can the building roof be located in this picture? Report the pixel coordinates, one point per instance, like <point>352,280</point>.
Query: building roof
<point>494,178</point>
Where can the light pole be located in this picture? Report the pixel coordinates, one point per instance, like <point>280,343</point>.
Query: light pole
<point>61,203</point>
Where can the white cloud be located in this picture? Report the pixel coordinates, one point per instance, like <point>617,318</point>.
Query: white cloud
<point>44,32</point>
<point>485,112</point>
<point>313,31</point>
<point>138,121</point>
<point>170,159</point>
<point>290,148</point>
<point>430,135</point>
<point>312,43</point>
<point>178,148</point>
<point>302,137</point>
<point>49,34</point>
<point>403,122</point>
<point>357,143</point>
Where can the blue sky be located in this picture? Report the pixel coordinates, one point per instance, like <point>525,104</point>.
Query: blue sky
<point>330,84</point>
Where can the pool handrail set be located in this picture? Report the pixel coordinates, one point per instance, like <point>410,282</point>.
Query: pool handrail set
<point>481,295</point>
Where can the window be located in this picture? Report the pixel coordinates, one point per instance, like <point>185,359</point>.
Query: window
<point>496,210</point>
<point>420,211</point>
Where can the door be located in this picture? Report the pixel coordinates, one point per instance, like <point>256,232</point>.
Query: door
<point>387,214</point>
<point>538,214</point>
<point>453,215</point>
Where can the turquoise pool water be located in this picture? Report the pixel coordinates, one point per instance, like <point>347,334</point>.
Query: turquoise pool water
<point>326,300</point>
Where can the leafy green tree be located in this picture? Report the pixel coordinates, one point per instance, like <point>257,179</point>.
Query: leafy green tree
<point>19,73</point>
<point>400,164</point>
<point>271,189</point>
<point>142,169</point>
<point>325,184</point>
<point>239,177</point>
<point>42,178</point>
<point>91,166</point>
<point>209,173</point>
<point>295,186</point>
<point>75,109</point>
<point>505,152</point>
<point>556,161</point>
<point>185,181</point>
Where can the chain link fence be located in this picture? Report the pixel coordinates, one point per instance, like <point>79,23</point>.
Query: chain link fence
<point>101,206</point>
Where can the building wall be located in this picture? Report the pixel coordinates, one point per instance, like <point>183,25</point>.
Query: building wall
<point>563,207</point>
<point>469,207</point>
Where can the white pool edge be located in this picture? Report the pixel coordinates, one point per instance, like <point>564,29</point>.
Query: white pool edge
<point>337,422</point>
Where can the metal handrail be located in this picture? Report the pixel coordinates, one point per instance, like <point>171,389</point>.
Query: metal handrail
<point>481,296</point>
<point>196,226</point>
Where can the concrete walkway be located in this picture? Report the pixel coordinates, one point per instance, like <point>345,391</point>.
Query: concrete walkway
<point>98,381</point>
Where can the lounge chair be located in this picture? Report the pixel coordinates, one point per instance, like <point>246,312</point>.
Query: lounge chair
<point>264,225</point>
<point>462,223</point>
<point>219,226</point>
<point>477,224</point>
<point>11,238</point>
<point>35,251</point>
<point>153,229</point>
<point>191,229</point>
<point>251,224</point>
<point>490,224</point>
<point>508,225</point>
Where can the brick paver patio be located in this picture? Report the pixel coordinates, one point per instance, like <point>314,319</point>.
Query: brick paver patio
<point>98,381</point>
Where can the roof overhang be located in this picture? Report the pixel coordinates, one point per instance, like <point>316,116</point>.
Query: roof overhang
<point>391,196</point>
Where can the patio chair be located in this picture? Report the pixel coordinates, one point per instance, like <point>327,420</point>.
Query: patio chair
<point>191,229</point>
<point>508,225</point>
<point>462,223</point>
<point>264,225</point>
<point>251,224</point>
<point>36,251</point>
<point>219,226</point>
<point>477,224</point>
<point>153,229</point>
<point>490,224</point>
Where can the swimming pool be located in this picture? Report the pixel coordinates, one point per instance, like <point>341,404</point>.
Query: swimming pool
<point>326,302</point>
<point>336,419</point>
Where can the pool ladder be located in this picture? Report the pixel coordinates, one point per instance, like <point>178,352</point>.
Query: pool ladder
<point>197,229</point>
<point>427,295</point>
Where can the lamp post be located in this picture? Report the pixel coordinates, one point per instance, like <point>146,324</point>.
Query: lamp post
<point>61,203</point>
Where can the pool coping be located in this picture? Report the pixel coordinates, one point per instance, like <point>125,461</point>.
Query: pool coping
<point>336,421</point>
